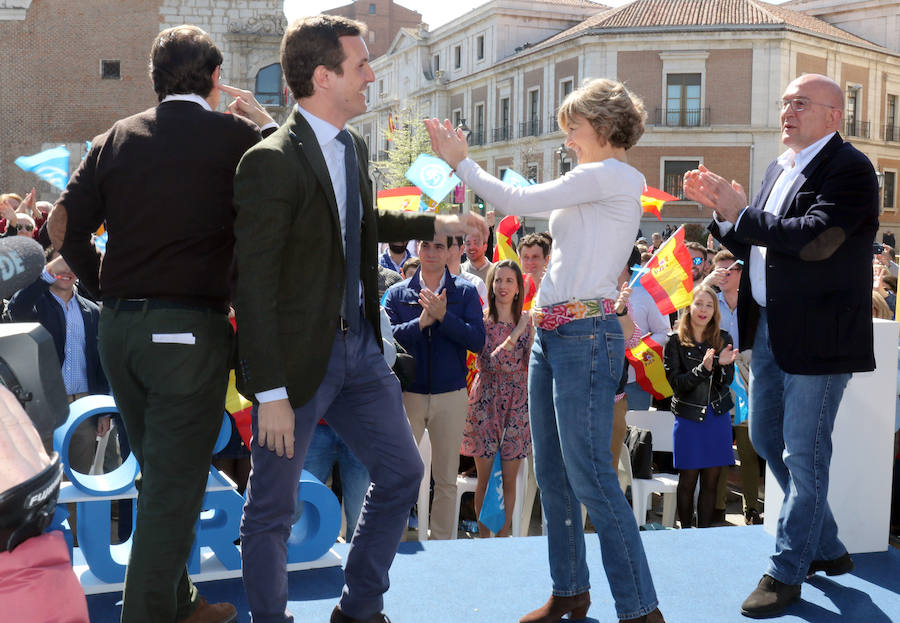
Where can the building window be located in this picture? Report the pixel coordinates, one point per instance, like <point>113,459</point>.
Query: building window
<point>889,188</point>
<point>673,175</point>
<point>890,119</point>
<point>110,70</point>
<point>372,8</point>
<point>852,111</point>
<point>269,90</point>
<point>381,88</point>
<point>531,171</point>
<point>436,62</point>
<point>479,47</point>
<point>457,118</point>
<point>565,87</point>
<point>478,130</point>
<point>504,132</point>
<point>683,100</point>
<point>457,57</point>
<point>532,127</point>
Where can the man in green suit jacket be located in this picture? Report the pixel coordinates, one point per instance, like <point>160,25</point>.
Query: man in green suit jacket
<point>308,319</point>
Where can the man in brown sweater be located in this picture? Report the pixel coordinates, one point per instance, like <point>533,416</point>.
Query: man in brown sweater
<point>165,340</point>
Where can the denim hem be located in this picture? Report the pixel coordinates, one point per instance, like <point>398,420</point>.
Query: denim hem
<point>572,593</point>
<point>773,572</point>
<point>633,615</point>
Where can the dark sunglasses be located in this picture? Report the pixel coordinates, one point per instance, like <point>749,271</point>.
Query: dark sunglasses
<point>25,227</point>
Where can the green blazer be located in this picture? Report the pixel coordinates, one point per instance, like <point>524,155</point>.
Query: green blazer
<point>290,259</point>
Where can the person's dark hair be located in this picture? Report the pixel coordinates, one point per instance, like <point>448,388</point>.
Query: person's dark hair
<point>48,253</point>
<point>696,246</point>
<point>182,60</point>
<point>535,240</point>
<point>891,282</point>
<point>412,262</point>
<point>518,301</point>
<point>546,236</point>
<point>313,41</point>
<point>634,258</point>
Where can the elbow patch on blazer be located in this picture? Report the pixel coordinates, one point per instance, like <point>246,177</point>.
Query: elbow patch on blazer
<point>822,246</point>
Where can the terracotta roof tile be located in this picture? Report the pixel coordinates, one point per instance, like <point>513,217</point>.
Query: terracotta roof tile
<point>702,13</point>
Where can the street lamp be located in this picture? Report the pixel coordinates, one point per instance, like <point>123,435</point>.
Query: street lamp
<point>563,154</point>
<point>465,129</point>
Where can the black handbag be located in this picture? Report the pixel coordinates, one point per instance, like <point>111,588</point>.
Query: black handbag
<point>639,442</point>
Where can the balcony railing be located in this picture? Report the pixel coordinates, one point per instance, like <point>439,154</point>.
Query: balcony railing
<point>890,132</point>
<point>681,118</point>
<point>856,128</point>
<point>500,135</point>
<point>530,128</point>
<point>477,137</point>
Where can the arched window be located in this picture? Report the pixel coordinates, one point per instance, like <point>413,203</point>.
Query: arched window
<point>269,90</point>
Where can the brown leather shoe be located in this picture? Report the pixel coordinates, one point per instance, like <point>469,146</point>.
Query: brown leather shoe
<point>557,607</point>
<point>206,612</point>
<point>652,617</point>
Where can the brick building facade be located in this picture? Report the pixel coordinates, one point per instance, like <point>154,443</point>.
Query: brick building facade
<point>55,53</point>
<point>383,19</point>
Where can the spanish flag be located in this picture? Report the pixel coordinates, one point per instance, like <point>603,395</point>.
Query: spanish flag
<point>239,408</point>
<point>667,276</point>
<point>530,291</point>
<point>647,360</point>
<point>504,250</point>
<point>652,200</point>
<point>404,198</point>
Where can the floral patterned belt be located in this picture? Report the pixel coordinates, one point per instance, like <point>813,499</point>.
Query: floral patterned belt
<point>553,316</point>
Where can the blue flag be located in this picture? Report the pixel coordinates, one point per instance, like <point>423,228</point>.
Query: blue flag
<point>514,178</point>
<point>493,511</point>
<point>51,165</point>
<point>100,241</point>
<point>741,409</point>
<point>433,176</point>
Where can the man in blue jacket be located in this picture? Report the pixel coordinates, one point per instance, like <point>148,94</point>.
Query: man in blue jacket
<point>437,317</point>
<point>71,320</point>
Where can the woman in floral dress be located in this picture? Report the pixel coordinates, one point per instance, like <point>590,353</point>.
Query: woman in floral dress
<point>498,400</point>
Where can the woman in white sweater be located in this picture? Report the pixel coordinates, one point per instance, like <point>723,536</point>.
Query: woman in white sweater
<point>578,353</point>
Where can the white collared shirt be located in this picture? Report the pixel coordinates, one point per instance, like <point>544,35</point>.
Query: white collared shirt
<point>333,152</point>
<point>187,97</point>
<point>792,164</point>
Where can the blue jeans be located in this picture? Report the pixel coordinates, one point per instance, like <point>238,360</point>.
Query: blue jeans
<point>791,419</point>
<point>573,374</point>
<point>327,449</point>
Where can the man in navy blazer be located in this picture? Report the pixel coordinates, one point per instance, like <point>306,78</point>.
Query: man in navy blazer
<point>805,307</point>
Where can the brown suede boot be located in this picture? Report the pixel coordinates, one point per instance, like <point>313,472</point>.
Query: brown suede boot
<point>557,607</point>
<point>653,617</point>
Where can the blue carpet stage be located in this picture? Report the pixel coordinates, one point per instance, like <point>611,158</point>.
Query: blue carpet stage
<point>701,576</point>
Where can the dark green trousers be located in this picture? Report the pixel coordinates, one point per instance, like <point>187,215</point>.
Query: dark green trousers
<point>168,370</point>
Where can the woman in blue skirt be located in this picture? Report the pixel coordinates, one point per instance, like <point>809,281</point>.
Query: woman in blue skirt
<point>699,360</point>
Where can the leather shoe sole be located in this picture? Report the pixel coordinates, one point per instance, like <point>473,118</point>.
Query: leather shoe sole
<point>337,616</point>
<point>838,566</point>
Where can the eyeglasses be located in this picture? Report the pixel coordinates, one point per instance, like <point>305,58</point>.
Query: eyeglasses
<point>28,227</point>
<point>697,261</point>
<point>799,104</point>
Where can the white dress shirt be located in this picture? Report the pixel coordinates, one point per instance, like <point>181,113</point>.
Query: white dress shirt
<point>792,164</point>
<point>333,152</point>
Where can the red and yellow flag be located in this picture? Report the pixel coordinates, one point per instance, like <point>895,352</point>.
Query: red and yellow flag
<point>404,198</point>
<point>530,291</point>
<point>239,408</point>
<point>504,250</point>
<point>652,200</point>
<point>647,360</point>
<point>667,276</point>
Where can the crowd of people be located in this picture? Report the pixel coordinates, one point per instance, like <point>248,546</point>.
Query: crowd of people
<point>548,333</point>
